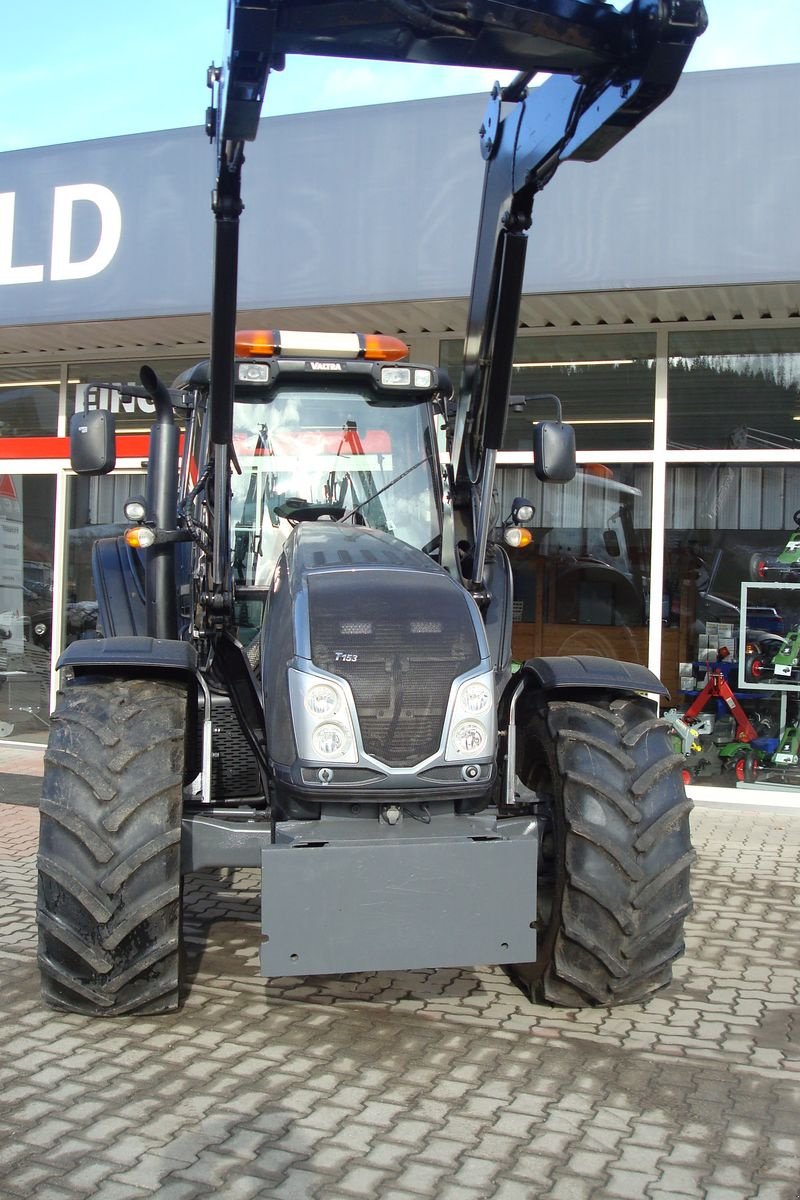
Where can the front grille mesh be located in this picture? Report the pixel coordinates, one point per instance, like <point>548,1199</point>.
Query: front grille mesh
<point>400,639</point>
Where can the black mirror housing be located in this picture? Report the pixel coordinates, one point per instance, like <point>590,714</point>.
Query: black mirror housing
<point>554,451</point>
<point>92,442</point>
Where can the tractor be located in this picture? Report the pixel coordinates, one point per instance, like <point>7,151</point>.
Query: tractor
<point>302,661</point>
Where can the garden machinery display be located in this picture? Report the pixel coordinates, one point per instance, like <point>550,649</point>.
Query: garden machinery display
<point>777,760</point>
<point>304,661</point>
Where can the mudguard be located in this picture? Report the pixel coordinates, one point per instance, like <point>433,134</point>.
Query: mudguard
<point>582,671</point>
<point>129,655</point>
<point>118,577</point>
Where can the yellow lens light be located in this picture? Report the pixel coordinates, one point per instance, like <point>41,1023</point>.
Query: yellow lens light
<point>264,343</point>
<point>140,537</point>
<point>517,538</point>
<point>383,346</point>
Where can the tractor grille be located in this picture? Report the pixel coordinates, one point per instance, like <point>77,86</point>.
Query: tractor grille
<point>399,639</point>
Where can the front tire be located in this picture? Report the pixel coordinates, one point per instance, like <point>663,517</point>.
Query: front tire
<point>109,848</point>
<point>613,888</point>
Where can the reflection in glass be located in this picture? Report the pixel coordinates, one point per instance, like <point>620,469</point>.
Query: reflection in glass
<point>27,506</point>
<point>581,587</point>
<point>606,384</point>
<point>29,402</point>
<point>737,389</point>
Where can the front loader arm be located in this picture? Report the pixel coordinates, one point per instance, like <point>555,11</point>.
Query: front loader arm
<point>566,118</point>
<point>611,69</point>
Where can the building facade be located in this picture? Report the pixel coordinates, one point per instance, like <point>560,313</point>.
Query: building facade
<point>662,304</point>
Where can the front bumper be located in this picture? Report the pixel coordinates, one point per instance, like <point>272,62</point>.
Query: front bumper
<point>348,895</point>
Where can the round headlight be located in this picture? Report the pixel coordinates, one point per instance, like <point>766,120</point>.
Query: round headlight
<point>469,737</point>
<point>322,700</point>
<point>330,741</point>
<point>476,698</point>
<point>135,509</point>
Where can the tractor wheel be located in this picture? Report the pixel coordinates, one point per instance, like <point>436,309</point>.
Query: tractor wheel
<point>109,907</point>
<point>615,853</point>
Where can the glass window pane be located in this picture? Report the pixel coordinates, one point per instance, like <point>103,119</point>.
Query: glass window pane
<point>96,385</point>
<point>29,401</point>
<point>581,586</point>
<point>735,388</point>
<point>27,507</point>
<point>728,646</point>
<point>606,384</point>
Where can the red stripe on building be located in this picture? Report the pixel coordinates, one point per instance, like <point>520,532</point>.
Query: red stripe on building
<point>130,445</point>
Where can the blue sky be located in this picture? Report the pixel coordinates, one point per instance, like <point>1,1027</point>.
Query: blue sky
<point>98,68</point>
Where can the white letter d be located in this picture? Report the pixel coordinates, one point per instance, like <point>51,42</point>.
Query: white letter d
<point>61,265</point>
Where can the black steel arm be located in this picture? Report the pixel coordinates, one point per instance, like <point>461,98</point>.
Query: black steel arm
<point>232,119</point>
<point>566,118</point>
<point>563,119</point>
<point>610,70</point>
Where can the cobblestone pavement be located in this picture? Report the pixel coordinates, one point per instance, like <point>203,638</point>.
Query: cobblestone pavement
<point>439,1084</point>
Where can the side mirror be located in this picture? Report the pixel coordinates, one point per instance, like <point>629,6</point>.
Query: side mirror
<point>611,543</point>
<point>553,447</point>
<point>92,442</point>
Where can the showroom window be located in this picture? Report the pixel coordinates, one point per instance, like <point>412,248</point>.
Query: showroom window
<point>606,384</point>
<point>736,389</point>
<point>581,586</point>
<point>99,384</point>
<point>29,401</point>
<point>676,545</point>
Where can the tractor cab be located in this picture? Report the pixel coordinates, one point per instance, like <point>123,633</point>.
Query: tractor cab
<point>329,428</point>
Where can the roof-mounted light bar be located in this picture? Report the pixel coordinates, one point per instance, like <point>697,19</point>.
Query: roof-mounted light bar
<point>264,343</point>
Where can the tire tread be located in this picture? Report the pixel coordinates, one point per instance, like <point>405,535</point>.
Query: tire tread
<point>109,850</point>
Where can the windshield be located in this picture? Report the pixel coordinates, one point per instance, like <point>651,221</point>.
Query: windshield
<point>323,453</point>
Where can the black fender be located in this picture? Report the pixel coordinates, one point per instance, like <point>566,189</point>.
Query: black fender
<point>143,658</point>
<point>137,656</point>
<point>575,676</point>
<point>118,576</point>
<point>580,672</point>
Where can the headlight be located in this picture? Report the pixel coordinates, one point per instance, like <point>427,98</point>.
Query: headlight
<point>396,376</point>
<point>475,698</point>
<point>322,720</point>
<point>135,509</point>
<point>322,700</point>
<point>473,721</point>
<point>330,741</point>
<point>469,738</point>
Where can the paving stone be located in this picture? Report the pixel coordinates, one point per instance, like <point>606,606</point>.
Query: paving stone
<point>393,1085</point>
<point>628,1185</point>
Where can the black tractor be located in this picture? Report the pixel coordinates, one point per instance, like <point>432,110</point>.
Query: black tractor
<point>303,661</point>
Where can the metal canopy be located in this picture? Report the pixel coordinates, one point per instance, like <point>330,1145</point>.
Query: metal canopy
<point>744,304</point>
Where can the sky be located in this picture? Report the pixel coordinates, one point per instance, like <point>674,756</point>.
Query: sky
<point>80,69</point>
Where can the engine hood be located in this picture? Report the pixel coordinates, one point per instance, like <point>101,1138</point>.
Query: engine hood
<point>358,606</point>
